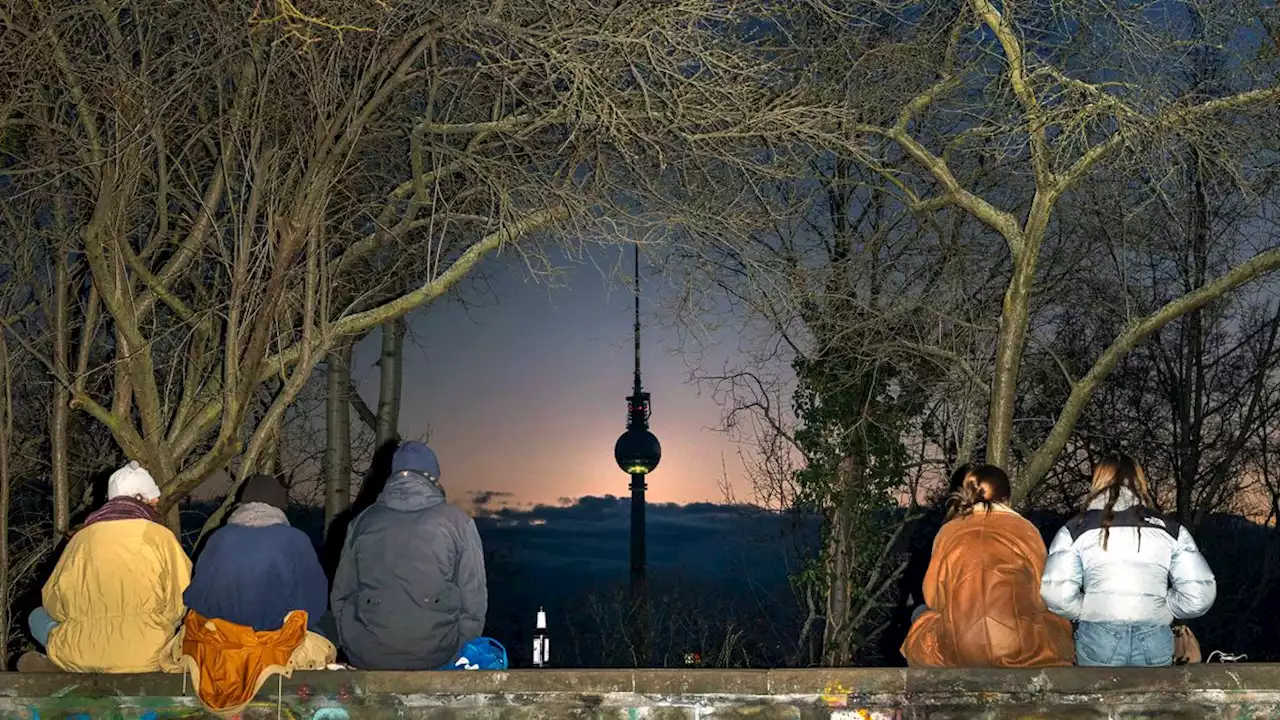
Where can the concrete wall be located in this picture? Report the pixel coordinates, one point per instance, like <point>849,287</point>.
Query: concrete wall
<point>1196,692</point>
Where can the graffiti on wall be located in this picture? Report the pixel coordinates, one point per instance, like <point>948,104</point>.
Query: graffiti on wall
<point>70,704</point>
<point>117,711</point>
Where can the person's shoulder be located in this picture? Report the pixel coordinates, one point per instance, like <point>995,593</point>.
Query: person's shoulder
<point>281,534</point>
<point>453,513</point>
<point>297,537</point>
<point>1002,520</point>
<point>455,518</point>
<point>160,539</point>
<point>124,528</point>
<point>153,531</point>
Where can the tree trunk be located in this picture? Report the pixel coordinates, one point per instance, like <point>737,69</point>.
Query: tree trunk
<point>6,435</point>
<point>838,634</point>
<point>1015,317</point>
<point>835,636</point>
<point>269,460</point>
<point>1191,386</point>
<point>60,410</point>
<point>391,371</point>
<point>337,455</point>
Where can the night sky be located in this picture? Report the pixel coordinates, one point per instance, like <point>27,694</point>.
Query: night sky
<point>525,394</point>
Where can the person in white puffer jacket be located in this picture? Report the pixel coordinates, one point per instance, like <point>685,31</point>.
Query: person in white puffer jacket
<point>1124,573</point>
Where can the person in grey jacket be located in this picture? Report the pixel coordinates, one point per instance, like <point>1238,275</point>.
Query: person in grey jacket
<point>1124,572</point>
<point>410,586</point>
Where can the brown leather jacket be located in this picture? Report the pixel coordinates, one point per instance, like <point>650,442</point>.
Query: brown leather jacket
<point>983,591</point>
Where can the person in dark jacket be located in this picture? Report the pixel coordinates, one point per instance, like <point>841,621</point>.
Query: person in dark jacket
<point>257,569</point>
<point>410,587</point>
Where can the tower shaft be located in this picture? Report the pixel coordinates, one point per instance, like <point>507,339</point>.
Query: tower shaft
<point>639,578</point>
<point>638,561</point>
<point>638,453</point>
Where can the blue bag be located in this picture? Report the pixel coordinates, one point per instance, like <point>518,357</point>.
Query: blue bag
<point>480,654</point>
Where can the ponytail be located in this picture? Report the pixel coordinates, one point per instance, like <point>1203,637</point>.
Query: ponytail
<point>1115,471</point>
<point>981,485</point>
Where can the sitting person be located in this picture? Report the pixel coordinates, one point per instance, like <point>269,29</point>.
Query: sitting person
<point>410,586</point>
<point>1125,573</point>
<point>257,600</point>
<point>114,599</point>
<point>982,588</point>
<point>257,569</point>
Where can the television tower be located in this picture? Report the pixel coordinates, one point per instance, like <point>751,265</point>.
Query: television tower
<point>638,452</point>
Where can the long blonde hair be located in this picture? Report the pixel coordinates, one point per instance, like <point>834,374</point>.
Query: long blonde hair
<point>1115,471</point>
<point>980,485</point>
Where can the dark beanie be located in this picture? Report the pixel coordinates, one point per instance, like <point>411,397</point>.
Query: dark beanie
<point>416,457</point>
<point>265,489</point>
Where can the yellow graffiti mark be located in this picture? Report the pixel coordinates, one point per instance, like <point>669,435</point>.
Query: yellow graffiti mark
<point>836,695</point>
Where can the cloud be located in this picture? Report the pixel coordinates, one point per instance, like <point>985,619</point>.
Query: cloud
<point>481,498</point>
<point>591,538</point>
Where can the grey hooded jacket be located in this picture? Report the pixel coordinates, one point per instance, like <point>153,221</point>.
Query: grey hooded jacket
<point>1150,573</point>
<point>410,587</point>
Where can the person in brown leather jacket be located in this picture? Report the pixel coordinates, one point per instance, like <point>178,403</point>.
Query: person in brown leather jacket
<point>982,589</point>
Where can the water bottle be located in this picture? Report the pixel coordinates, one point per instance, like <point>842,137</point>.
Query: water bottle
<point>541,643</point>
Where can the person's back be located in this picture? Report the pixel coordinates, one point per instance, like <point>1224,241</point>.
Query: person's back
<point>257,569</point>
<point>1125,573</point>
<point>982,588</point>
<point>114,599</point>
<point>410,588</point>
<point>255,582</point>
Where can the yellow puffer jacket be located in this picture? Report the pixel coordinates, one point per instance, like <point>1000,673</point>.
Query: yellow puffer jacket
<point>116,595</point>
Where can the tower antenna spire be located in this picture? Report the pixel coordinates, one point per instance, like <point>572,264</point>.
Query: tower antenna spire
<point>637,317</point>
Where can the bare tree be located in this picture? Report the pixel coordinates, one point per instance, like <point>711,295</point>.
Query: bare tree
<point>961,224</point>
<point>6,494</point>
<point>60,407</point>
<point>250,186</point>
<point>984,116</point>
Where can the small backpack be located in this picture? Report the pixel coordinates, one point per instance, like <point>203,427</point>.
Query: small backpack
<point>480,654</point>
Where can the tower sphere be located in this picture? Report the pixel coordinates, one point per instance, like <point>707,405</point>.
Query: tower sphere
<point>637,451</point>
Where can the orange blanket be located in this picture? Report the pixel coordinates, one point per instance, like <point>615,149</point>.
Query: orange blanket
<point>229,663</point>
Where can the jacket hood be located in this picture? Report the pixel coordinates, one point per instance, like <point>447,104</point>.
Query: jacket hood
<point>408,491</point>
<point>257,514</point>
<point>1125,500</point>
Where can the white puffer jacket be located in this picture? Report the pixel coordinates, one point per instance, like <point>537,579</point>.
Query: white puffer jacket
<point>1151,571</point>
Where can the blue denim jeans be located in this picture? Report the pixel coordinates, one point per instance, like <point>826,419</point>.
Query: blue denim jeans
<point>41,625</point>
<point>1123,645</point>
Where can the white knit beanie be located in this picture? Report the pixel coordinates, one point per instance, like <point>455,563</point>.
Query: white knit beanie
<point>131,480</point>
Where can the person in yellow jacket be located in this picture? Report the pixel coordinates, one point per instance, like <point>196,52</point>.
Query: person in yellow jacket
<point>114,600</point>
